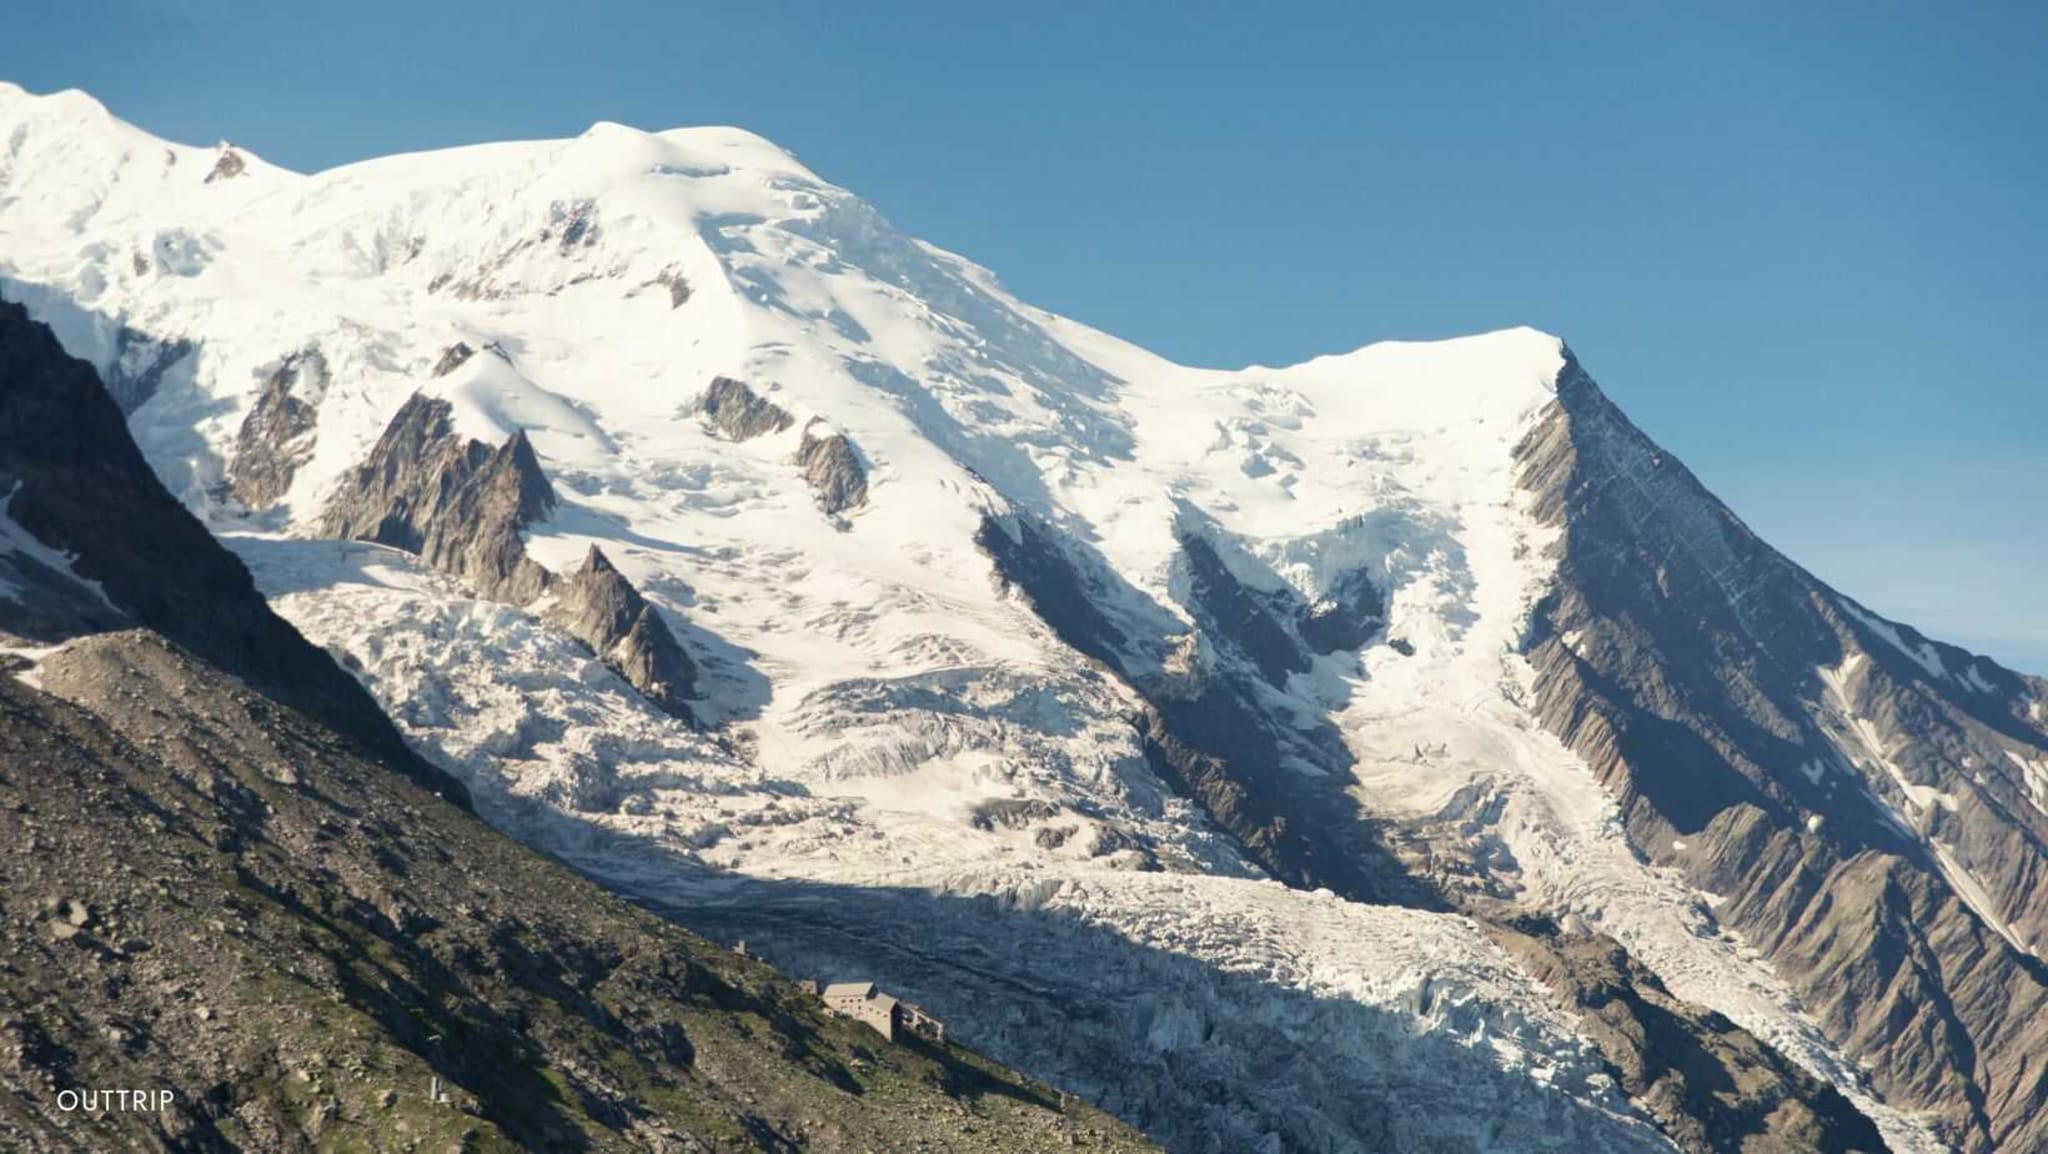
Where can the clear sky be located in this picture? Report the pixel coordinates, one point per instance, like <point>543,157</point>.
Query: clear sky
<point>1804,245</point>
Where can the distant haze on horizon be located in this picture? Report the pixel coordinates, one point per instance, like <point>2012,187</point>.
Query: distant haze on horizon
<point>1803,249</point>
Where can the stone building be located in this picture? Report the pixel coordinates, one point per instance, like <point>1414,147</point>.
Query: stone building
<point>918,1020</point>
<point>862,1002</point>
<point>865,1002</point>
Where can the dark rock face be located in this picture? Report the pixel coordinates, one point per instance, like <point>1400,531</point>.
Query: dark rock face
<point>735,410</point>
<point>1829,773</point>
<point>1345,618</point>
<point>453,357</point>
<point>1027,558</point>
<point>1213,741</point>
<point>41,603</point>
<point>461,506</point>
<point>458,503</point>
<point>1216,749</point>
<point>80,486</point>
<point>599,607</point>
<point>1274,627</point>
<point>277,436</point>
<point>140,362</point>
<point>834,471</point>
<point>1248,620</point>
<point>1709,1085</point>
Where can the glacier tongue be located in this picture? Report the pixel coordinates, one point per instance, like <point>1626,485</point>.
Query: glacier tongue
<point>1208,1004</point>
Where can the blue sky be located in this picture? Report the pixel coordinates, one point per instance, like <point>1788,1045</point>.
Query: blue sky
<point>1803,245</point>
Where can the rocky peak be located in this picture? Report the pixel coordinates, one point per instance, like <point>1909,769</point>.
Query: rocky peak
<point>516,467</point>
<point>456,502</point>
<point>600,607</point>
<point>1838,778</point>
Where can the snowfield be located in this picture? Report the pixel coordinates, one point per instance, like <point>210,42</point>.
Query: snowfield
<point>902,773</point>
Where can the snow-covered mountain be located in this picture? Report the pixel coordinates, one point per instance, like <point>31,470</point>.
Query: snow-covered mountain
<point>1273,757</point>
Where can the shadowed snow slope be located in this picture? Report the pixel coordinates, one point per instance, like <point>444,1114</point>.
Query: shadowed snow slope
<point>1030,698</point>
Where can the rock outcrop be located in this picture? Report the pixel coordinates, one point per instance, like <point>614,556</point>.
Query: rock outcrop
<point>453,357</point>
<point>598,606</point>
<point>833,469</point>
<point>1249,621</point>
<point>458,503</point>
<point>227,165</point>
<point>1346,617</point>
<point>678,287</point>
<point>1710,1085</point>
<point>462,507</point>
<point>277,435</point>
<point>741,414</point>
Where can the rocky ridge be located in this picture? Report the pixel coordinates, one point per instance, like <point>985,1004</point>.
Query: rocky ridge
<point>1847,783</point>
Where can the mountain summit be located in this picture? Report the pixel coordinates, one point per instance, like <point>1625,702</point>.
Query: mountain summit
<point>1397,749</point>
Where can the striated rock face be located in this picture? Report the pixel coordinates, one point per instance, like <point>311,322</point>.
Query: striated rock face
<point>833,470</point>
<point>1867,801</point>
<point>458,503</point>
<point>599,607</point>
<point>735,410</point>
<point>277,436</point>
<point>1709,1085</point>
